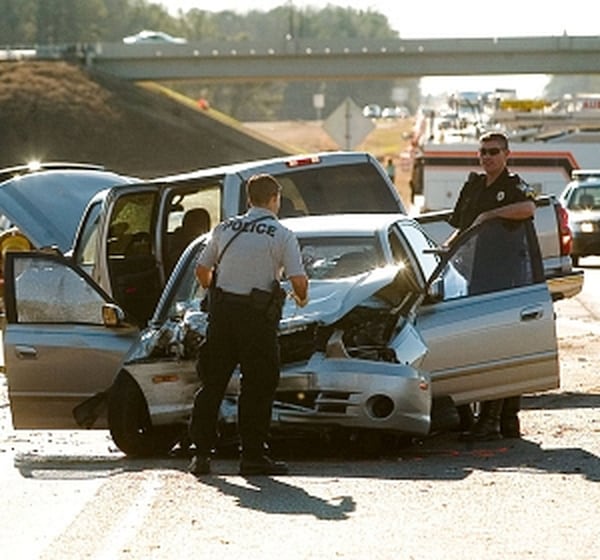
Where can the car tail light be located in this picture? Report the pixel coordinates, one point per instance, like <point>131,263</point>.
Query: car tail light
<point>565,233</point>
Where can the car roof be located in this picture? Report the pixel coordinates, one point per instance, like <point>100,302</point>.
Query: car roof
<point>47,205</point>
<point>248,168</point>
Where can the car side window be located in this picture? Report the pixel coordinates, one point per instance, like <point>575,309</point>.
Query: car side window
<point>131,251</point>
<point>189,213</point>
<point>499,255</point>
<point>131,227</point>
<point>49,291</point>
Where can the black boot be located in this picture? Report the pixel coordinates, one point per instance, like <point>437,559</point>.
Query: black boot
<point>510,426</point>
<point>200,464</point>
<point>465,417</point>
<point>487,427</point>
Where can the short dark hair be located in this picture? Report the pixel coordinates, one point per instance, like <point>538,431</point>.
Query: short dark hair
<point>499,137</point>
<point>261,187</point>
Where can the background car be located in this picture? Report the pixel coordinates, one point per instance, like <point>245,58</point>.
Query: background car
<point>581,198</point>
<point>153,37</point>
<point>391,328</point>
<point>372,111</point>
<point>395,113</point>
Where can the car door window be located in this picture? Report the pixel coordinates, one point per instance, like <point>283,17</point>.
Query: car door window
<point>131,253</point>
<point>420,247</point>
<point>496,257</point>
<point>189,213</point>
<point>49,291</point>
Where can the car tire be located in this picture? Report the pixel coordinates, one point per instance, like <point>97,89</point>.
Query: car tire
<point>129,421</point>
<point>575,260</point>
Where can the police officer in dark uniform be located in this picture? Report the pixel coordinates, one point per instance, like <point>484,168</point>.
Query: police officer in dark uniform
<point>249,253</point>
<point>496,193</point>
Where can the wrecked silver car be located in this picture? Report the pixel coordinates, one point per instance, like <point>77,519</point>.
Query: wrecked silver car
<point>393,325</point>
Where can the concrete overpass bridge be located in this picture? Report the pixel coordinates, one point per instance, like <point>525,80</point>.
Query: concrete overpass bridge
<point>340,59</point>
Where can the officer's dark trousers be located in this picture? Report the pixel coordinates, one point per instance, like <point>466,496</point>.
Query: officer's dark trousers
<point>237,334</point>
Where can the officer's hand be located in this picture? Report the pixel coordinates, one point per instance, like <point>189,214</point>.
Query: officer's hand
<point>296,298</point>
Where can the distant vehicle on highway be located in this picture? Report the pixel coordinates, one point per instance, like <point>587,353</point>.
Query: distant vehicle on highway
<point>153,37</point>
<point>395,113</point>
<point>372,111</point>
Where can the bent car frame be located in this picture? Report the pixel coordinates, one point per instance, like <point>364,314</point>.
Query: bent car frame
<point>393,324</point>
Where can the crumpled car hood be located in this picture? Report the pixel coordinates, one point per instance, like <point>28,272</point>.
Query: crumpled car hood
<point>329,300</point>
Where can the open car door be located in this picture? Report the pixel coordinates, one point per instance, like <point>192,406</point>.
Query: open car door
<point>59,345</point>
<point>496,337</point>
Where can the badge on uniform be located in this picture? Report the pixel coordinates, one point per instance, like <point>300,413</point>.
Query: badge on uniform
<point>500,196</point>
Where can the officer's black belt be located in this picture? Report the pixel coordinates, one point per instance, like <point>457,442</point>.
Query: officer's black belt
<point>235,298</point>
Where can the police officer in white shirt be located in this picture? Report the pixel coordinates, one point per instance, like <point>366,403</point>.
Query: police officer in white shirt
<point>249,253</point>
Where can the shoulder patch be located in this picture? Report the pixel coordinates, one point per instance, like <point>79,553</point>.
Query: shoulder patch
<point>526,189</point>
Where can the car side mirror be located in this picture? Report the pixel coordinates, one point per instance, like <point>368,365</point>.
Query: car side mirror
<point>112,315</point>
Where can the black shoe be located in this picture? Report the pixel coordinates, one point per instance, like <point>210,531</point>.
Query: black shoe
<point>262,465</point>
<point>199,465</point>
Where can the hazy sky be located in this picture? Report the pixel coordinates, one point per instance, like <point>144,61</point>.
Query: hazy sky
<point>455,18</point>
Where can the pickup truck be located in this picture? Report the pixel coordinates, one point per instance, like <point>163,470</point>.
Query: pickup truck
<point>129,238</point>
<point>554,237</point>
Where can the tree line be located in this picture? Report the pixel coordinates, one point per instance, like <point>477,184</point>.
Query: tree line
<point>59,22</point>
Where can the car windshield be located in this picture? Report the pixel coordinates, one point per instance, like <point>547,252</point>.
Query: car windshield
<point>585,198</point>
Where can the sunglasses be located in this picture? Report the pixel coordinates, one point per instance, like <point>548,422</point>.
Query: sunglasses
<point>489,151</point>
